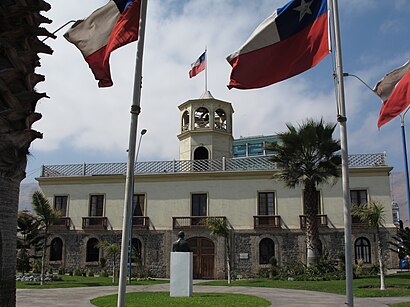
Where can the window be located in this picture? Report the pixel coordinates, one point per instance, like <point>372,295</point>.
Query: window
<point>139,201</point>
<point>358,197</point>
<point>220,119</point>
<point>266,250</point>
<point>239,150</point>
<point>201,118</point>
<point>255,149</point>
<point>362,250</point>
<point>60,204</point>
<point>266,203</point>
<point>96,205</point>
<point>56,250</point>
<point>93,251</point>
<point>198,205</point>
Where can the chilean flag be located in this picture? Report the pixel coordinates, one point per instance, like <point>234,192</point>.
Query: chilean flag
<point>198,65</point>
<point>106,29</point>
<point>394,90</point>
<point>293,39</point>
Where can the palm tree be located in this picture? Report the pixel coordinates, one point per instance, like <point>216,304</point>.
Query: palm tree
<point>372,214</point>
<point>219,228</point>
<point>110,250</point>
<point>27,227</point>
<point>19,45</point>
<point>45,216</point>
<point>306,156</point>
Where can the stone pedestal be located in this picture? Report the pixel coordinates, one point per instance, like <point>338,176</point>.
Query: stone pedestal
<point>181,274</point>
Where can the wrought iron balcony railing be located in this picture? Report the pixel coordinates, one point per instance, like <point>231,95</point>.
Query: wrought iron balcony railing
<point>141,222</point>
<point>61,223</point>
<point>95,222</point>
<point>193,222</point>
<point>321,219</point>
<point>259,163</point>
<point>266,221</point>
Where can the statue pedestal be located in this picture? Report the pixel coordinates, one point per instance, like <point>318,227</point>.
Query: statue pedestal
<point>181,274</point>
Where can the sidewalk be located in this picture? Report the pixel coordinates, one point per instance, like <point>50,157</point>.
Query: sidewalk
<point>80,297</point>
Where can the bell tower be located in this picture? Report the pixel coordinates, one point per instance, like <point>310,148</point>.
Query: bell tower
<point>206,128</point>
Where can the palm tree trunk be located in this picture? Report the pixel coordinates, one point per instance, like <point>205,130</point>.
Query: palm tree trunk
<point>43,259</point>
<point>228,262</point>
<point>312,230</point>
<point>380,256</point>
<point>9,195</point>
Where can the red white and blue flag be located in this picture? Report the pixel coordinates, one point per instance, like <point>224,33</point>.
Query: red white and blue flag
<point>106,29</point>
<point>394,90</point>
<point>198,65</point>
<point>290,41</point>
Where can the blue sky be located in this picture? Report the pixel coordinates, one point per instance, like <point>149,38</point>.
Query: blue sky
<point>82,123</point>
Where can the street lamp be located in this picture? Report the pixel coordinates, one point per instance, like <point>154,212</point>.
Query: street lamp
<point>143,131</point>
<point>403,134</point>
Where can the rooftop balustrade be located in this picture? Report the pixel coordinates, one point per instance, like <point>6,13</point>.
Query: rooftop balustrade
<point>259,163</point>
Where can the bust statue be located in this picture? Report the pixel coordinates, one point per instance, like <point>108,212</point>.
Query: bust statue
<point>180,245</point>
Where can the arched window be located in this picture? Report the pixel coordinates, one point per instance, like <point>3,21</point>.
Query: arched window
<point>362,250</point>
<point>185,121</point>
<point>56,250</point>
<point>220,119</point>
<point>93,251</point>
<point>136,250</point>
<point>266,250</point>
<point>201,118</point>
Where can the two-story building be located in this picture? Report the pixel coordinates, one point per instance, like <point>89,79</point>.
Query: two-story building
<point>217,177</point>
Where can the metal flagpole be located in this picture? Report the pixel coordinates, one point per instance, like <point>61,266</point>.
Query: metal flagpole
<point>406,163</point>
<point>206,69</point>
<point>341,118</point>
<point>135,110</point>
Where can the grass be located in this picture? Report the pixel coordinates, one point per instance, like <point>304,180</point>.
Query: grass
<point>162,299</point>
<point>82,281</point>
<point>396,285</point>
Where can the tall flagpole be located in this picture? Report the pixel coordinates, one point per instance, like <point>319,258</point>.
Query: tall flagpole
<point>341,118</point>
<point>206,69</point>
<point>135,110</point>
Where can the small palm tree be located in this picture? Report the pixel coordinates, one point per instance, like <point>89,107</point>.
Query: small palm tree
<point>111,250</point>
<point>219,228</point>
<point>306,156</point>
<point>45,216</point>
<point>372,214</point>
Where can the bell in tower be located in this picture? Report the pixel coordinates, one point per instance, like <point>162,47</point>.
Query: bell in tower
<point>206,129</point>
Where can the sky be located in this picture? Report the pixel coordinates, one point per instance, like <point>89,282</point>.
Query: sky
<point>84,123</point>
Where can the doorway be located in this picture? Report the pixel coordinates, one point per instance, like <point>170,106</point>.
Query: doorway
<point>203,251</point>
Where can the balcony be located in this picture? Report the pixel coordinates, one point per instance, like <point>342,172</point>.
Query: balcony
<point>193,222</point>
<point>357,223</point>
<point>95,222</point>
<point>321,220</point>
<point>61,223</point>
<point>266,221</point>
<point>140,222</point>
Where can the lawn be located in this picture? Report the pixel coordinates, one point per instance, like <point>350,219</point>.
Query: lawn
<point>82,281</point>
<point>162,299</point>
<point>396,284</point>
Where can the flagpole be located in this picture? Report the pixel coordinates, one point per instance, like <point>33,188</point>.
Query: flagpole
<point>129,183</point>
<point>206,69</point>
<point>341,118</point>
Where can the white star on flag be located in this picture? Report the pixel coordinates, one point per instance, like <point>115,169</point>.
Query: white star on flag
<point>303,8</point>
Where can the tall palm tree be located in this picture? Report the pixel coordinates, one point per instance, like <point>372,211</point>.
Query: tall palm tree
<point>45,216</point>
<point>307,156</point>
<point>19,27</point>
<point>111,250</point>
<point>373,215</point>
<point>219,228</point>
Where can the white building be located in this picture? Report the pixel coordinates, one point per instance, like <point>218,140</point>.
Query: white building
<point>266,218</point>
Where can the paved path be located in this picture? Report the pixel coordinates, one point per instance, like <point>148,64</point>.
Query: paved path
<point>80,297</point>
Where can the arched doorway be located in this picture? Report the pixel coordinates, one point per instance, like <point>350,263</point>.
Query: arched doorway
<point>203,251</point>
<point>201,153</point>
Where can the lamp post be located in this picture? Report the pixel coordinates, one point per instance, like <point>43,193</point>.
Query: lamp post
<point>403,134</point>
<point>143,131</point>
